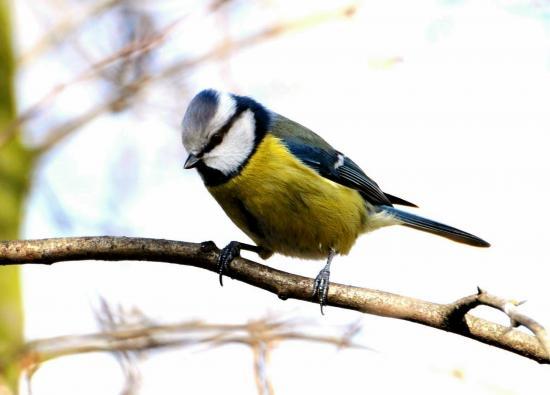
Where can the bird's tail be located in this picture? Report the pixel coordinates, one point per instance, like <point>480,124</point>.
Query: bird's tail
<point>427,225</point>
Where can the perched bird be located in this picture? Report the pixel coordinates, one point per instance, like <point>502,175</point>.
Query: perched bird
<point>288,189</point>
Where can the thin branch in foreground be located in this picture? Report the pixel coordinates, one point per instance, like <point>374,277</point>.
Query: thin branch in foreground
<point>128,360</point>
<point>261,336</point>
<point>450,317</point>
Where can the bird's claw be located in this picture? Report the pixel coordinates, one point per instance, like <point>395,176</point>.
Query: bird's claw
<point>227,254</point>
<point>320,287</point>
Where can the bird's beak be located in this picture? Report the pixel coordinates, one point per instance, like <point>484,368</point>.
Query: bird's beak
<point>191,162</point>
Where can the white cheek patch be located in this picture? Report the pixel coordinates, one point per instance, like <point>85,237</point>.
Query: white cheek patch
<point>236,146</point>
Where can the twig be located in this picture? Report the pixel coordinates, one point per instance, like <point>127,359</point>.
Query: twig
<point>64,28</point>
<point>128,360</point>
<point>132,49</point>
<point>508,307</point>
<point>126,339</point>
<point>448,317</point>
<point>143,337</point>
<point>60,132</point>
<point>177,68</point>
<point>230,46</point>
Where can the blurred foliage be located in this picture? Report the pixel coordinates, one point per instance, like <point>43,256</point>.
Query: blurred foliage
<point>15,168</point>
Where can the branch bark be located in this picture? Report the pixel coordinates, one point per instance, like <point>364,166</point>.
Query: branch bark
<point>451,317</point>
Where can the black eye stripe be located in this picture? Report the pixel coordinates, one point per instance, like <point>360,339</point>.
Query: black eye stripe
<point>217,137</point>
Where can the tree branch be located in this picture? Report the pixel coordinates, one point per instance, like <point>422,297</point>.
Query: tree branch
<point>450,317</point>
<point>176,69</point>
<point>144,337</point>
<point>131,341</point>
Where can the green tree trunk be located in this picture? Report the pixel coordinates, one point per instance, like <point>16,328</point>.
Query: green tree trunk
<point>15,171</point>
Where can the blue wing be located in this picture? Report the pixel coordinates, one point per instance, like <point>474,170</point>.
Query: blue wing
<point>315,152</point>
<point>338,168</point>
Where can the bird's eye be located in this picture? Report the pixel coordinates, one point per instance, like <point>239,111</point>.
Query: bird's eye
<point>216,139</point>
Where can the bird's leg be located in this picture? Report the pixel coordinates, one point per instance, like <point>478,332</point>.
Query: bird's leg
<point>320,286</point>
<point>230,252</point>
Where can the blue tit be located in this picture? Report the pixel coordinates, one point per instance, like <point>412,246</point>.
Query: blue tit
<point>288,189</point>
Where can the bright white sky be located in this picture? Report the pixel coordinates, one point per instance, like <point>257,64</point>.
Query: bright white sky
<point>459,124</point>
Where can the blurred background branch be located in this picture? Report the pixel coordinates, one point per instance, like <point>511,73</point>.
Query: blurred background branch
<point>131,336</point>
<point>129,69</point>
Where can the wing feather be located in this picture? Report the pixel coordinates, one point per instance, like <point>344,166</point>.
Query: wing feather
<point>316,153</point>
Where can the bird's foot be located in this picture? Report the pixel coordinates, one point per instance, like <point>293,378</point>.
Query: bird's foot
<point>321,283</point>
<point>230,252</point>
<point>227,254</point>
<point>320,287</point>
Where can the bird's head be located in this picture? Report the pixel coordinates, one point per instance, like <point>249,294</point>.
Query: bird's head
<point>220,130</point>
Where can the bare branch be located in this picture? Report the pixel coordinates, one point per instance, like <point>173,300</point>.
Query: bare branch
<point>133,49</point>
<point>109,320</point>
<point>508,307</point>
<point>229,47</point>
<point>178,68</point>
<point>448,317</point>
<point>62,131</point>
<point>125,338</point>
<point>65,27</point>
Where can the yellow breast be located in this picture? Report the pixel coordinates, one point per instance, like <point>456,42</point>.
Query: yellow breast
<point>286,207</point>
